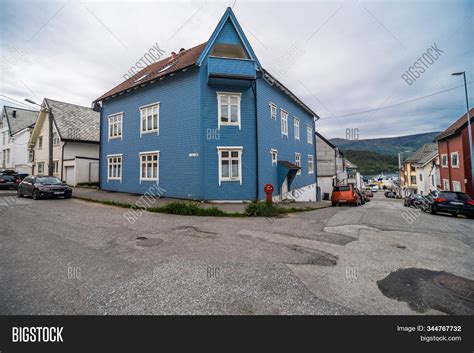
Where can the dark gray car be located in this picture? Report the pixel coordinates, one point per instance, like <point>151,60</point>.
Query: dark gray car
<point>43,186</point>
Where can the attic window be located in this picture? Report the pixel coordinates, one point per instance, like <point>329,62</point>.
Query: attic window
<point>229,51</point>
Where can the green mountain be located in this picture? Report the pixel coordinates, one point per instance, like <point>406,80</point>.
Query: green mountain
<point>372,163</point>
<point>387,145</point>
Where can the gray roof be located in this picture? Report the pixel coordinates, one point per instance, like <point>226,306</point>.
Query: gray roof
<point>75,122</point>
<point>23,118</point>
<point>428,156</point>
<point>420,153</point>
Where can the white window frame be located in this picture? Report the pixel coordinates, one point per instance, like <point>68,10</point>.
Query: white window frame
<point>309,134</point>
<point>109,157</point>
<point>274,156</point>
<point>445,182</point>
<point>56,167</point>
<point>31,155</point>
<point>115,121</point>
<point>284,122</point>
<point>56,139</point>
<point>144,110</point>
<point>457,164</point>
<point>38,167</point>
<point>7,155</point>
<point>40,142</point>
<point>230,149</point>
<point>228,95</point>
<point>442,159</point>
<point>298,162</point>
<point>146,154</point>
<point>459,189</point>
<point>310,164</point>
<point>273,110</point>
<point>296,127</point>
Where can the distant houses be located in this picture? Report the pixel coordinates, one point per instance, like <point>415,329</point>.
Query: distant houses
<point>454,156</point>
<point>75,142</point>
<point>16,126</point>
<point>419,170</point>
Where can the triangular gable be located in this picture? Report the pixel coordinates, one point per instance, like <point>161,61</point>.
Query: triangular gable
<point>229,31</point>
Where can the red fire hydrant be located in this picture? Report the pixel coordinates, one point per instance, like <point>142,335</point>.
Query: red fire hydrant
<point>268,188</point>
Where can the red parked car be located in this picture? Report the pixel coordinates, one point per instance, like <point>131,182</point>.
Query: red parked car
<point>345,194</point>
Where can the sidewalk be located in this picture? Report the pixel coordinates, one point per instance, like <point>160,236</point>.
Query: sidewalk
<point>101,195</point>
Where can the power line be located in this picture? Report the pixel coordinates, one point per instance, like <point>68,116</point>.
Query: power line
<point>16,101</point>
<point>396,104</point>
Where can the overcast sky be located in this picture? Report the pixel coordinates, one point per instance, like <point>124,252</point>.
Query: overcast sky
<point>339,57</point>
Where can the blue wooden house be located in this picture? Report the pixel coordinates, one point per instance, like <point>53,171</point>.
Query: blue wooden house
<point>208,123</point>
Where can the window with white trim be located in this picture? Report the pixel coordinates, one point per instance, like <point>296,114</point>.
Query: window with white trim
<point>444,160</point>
<point>284,122</point>
<point>150,118</point>
<point>457,186</point>
<point>31,155</point>
<point>455,160</point>
<point>296,125</point>
<point>274,155</point>
<point>309,134</point>
<point>115,126</point>
<point>273,110</point>
<point>445,184</point>
<point>298,162</point>
<point>230,164</point>
<point>55,139</point>
<point>149,162</point>
<point>310,164</point>
<point>114,167</point>
<point>40,167</point>
<point>55,167</point>
<point>228,109</point>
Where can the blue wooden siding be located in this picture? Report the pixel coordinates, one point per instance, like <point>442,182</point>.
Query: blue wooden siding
<point>270,137</point>
<point>180,127</point>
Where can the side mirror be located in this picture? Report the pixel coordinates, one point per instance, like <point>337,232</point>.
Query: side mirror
<point>63,181</point>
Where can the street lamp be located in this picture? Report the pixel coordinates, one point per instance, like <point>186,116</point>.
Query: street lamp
<point>50,133</point>
<point>468,128</point>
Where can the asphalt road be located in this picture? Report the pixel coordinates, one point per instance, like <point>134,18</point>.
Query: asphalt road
<point>74,257</point>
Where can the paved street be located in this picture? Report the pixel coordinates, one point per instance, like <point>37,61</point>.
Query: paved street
<point>74,257</point>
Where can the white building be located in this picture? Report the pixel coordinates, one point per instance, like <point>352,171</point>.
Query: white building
<point>427,173</point>
<point>329,165</point>
<point>17,124</point>
<point>75,142</point>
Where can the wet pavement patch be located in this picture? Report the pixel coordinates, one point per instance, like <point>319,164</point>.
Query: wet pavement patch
<point>424,289</point>
<point>313,257</point>
<point>149,242</point>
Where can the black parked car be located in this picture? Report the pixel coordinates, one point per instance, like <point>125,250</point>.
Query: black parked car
<point>413,200</point>
<point>453,202</point>
<point>43,186</point>
<point>9,181</point>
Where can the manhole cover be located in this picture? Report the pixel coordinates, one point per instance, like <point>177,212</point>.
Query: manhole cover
<point>460,287</point>
<point>147,243</point>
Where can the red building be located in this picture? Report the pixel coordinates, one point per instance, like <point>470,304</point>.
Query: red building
<point>454,156</point>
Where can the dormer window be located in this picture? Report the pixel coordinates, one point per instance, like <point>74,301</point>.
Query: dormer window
<point>229,51</point>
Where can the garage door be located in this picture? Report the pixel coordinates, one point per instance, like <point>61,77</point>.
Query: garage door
<point>70,176</point>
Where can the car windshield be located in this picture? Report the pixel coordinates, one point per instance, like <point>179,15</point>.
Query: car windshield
<point>48,180</point>
<point>451,196</point>
<point>341,188</point>
<point>7,177</point>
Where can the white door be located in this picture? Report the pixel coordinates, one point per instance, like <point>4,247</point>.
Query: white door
<point>70,176</point>
<point>284,189</point>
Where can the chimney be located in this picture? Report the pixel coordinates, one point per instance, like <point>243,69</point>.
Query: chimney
<point>181,50</point>
<point>173,55</point>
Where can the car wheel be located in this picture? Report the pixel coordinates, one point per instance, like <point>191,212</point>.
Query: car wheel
<point>19,194</point>
<point>454,215</point>
<point>67,196</point>
<point>333,204</point>
<point>431,210</point>
<point>470,216</point>
<point>36,195</point>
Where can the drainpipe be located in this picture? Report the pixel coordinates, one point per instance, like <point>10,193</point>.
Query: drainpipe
<point>254,89</point>
<point>62,159</point>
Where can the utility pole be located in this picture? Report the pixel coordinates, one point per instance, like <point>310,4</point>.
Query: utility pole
<point>469,129</point>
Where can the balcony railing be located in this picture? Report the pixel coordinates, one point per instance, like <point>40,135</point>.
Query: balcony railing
<point>230,68</point>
